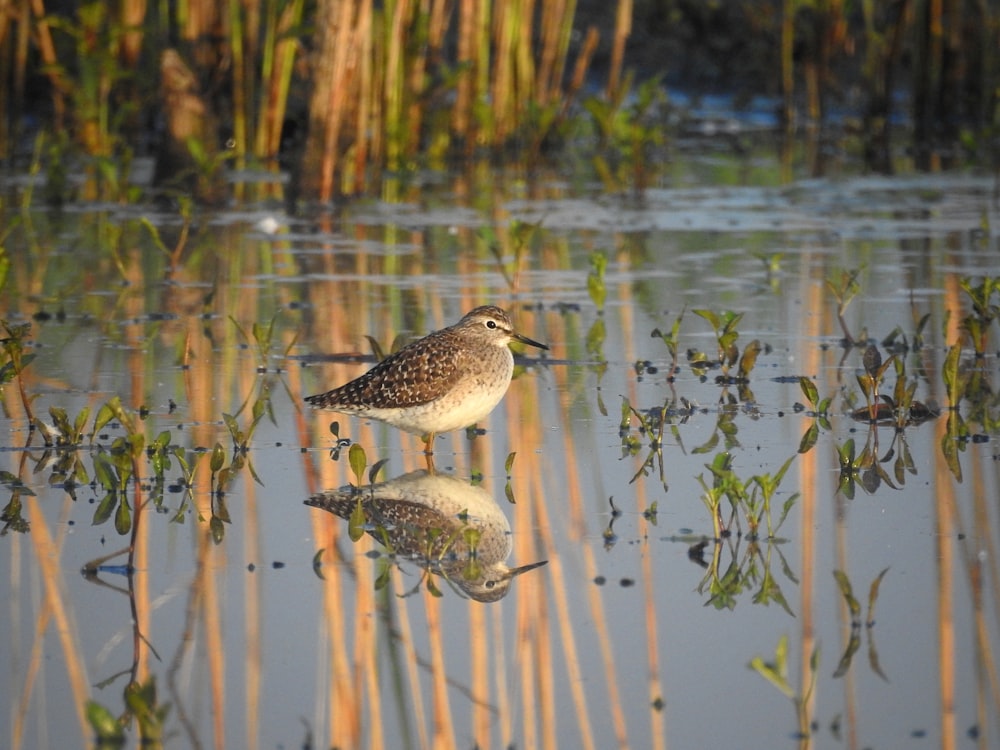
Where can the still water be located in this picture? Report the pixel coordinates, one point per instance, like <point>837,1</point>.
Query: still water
<point>263,625</point>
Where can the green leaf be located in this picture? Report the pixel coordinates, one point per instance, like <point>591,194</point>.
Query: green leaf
<point>949,371</point>
<point>509,463</point>
<point>218,529</point>
<point>218,458</point>
<point>844,584</point>
<point>846,455</point>
<point>873,595</point>
<point>233,426</point>
<point>809,438</point>
<point>809,390</point>
<point>104,415</point>
<point>712,318</point>
<point>104,724</point>
<point>358,460</point>
<point>375,469</point>
<point>104,472</point>
<point>776,672</point>
<point>432,588</point>
<point>356,522</point>
<point>749,359</point>
<point>105,508</point>
<point>123,518</point>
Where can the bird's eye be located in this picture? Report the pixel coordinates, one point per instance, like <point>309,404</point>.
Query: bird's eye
<point>491,324</point>
<point>490,584</point>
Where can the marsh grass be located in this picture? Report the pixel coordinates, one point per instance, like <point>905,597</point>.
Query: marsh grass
<point>345,94</point>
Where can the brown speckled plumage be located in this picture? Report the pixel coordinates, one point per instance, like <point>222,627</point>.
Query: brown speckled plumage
<point>426,518</point>
<point>447,380</point>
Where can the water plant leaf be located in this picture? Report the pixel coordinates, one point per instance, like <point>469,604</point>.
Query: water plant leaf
<point>317,564</point>
<point>432,588</point>
<point>809,390</point>
<point>218,458</point>
<point>810,438</point>
<point>595,338</point>
<point>375,469</point>
<point>358,460</point>
<point>383,578</point>
<point>104,472</point>
<point>234,427</point>
<point>950,374</point>
<point>217,528</point>
<point>844,584</point>
<point>785,508</point>
<point>105,725</point>
<point>776,672</point>
<point>873,660</point>
<point>104,415</point>
<point>595,279</point>
<point>749,359</point>
<point>356,522</point>
<point>846,455</point>
<point>844,665</point>
<point>105,508</point>
<point>708,446</point>
<point>950,447</point>
<point>123,517</point>
<point>711,316</point>
<point>873,595</point>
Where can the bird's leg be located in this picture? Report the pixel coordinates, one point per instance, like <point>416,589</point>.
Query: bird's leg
<point>429,452</point>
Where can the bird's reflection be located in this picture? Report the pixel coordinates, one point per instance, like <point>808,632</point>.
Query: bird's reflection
<point>444,524</point>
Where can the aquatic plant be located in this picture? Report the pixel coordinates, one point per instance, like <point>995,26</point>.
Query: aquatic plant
<point>671,341</point>
<point>819,412</point>
<point>141,705</point>
<point>984,311</point>
<point>724,328</point>
<point>854,639</point>
<point>627,134</point>
<point>871,378</point>
<point>776,673</point>
<point>15,359</point>
<point>758,504</point>
<point>844,287</point>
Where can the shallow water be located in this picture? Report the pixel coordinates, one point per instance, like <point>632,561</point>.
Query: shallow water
<point>634,634</point>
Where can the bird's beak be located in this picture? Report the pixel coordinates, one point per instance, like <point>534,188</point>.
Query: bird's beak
<point>525,568</point>
<point>529,342</point>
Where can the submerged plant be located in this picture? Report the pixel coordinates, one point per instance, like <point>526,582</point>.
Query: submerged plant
<point>776,672</point>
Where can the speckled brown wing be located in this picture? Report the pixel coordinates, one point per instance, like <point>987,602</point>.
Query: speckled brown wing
<point>416,374</point>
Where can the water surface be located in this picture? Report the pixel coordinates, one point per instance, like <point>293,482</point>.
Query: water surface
<point>640,629</point>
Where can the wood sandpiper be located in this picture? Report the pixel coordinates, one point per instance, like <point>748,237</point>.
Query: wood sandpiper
<point>445,381</point>
<point>426,518</point>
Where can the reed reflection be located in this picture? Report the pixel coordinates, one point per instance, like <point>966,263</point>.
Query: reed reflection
<point>446,525</point>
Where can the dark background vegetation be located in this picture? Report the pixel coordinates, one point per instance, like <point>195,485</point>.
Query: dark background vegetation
<point>339,91</point>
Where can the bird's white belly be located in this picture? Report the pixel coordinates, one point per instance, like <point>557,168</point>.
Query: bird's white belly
<point>469,402</point>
